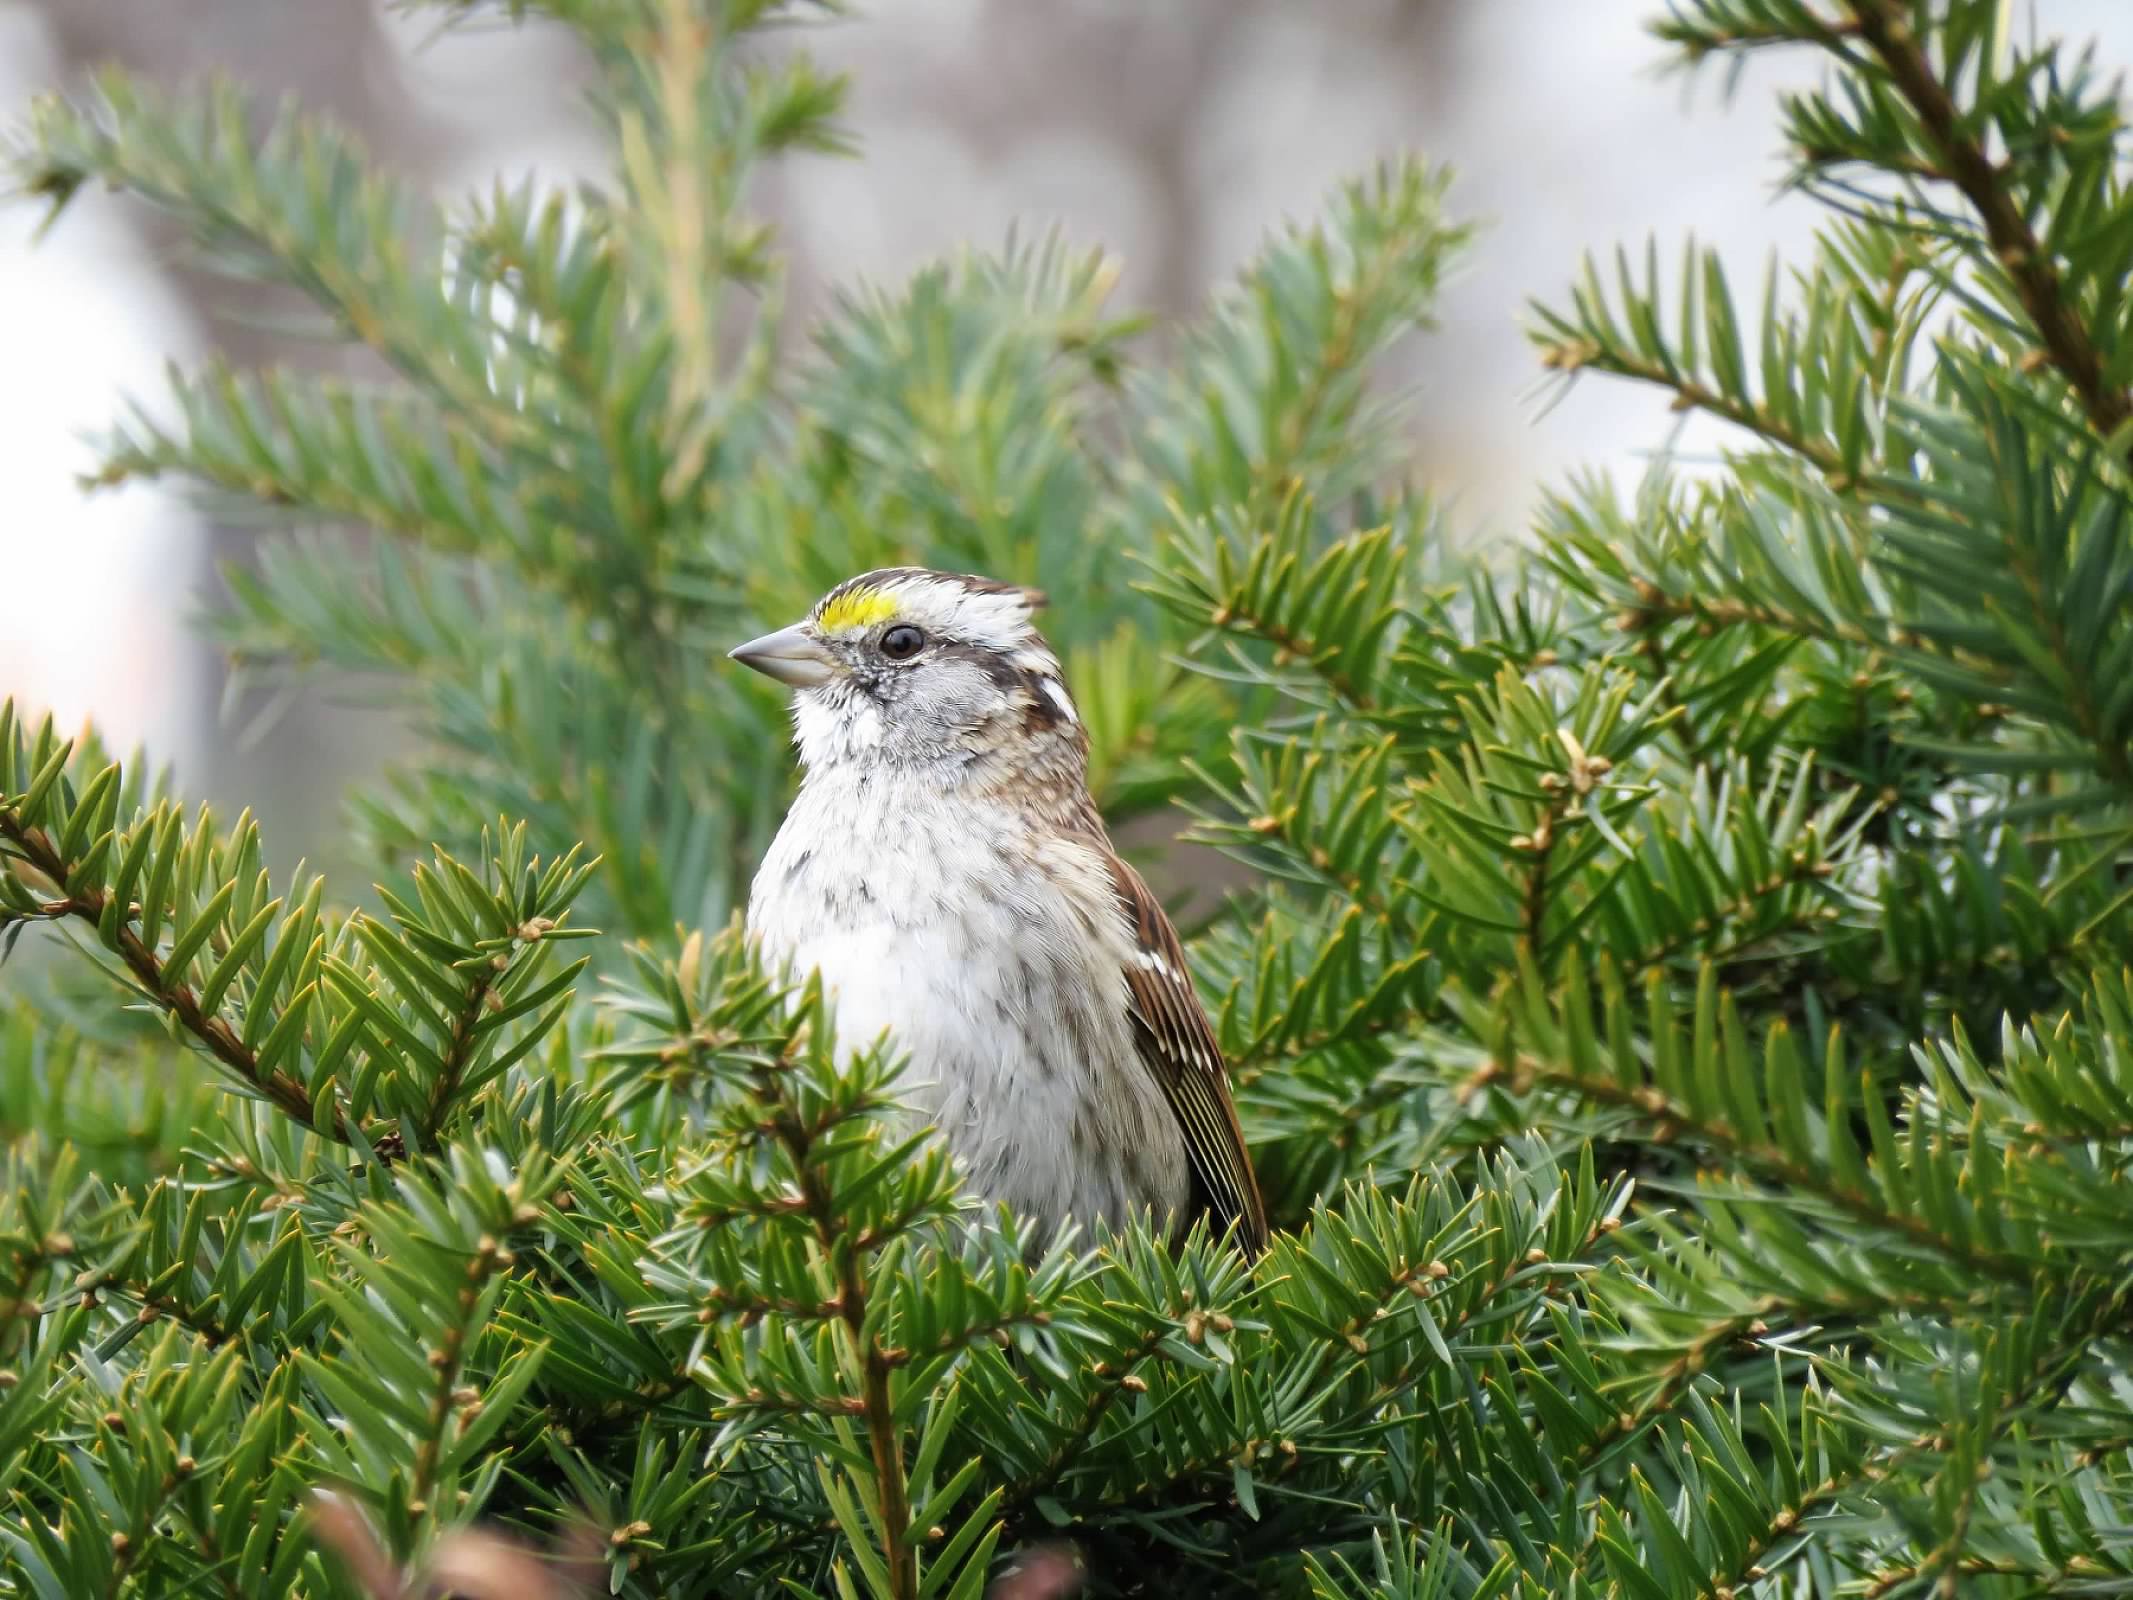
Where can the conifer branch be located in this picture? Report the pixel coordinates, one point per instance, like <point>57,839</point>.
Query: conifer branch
<point>1885,27</point>
<point>1798,869</point>
<point>1574,356</point>
<point>2086,696</point>
<point>291,204</point>
<point>1277,1048</point>
<point>874,1406</point>
<point>1673,1381</point>
<point>87,903</point>
<point>129,1545</point>
<point>1654,650</point>
<point>1539,849</point>
<point>157,1307</point>
<point>1790,1520</point>
<point>1119,1375</point>
<point>1655,605</point>
<point>463,1041</point>
<point>1855,1323</point>
<point>1425,1281</point>
<point>1674,1119</point>
<point>446,1360</point>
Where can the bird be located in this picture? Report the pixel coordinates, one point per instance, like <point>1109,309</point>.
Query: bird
<point>945,870</point>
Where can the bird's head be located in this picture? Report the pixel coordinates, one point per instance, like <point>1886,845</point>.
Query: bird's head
<point>941,671</point>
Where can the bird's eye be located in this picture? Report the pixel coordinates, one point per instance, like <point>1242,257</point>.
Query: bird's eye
<point>902,642</point>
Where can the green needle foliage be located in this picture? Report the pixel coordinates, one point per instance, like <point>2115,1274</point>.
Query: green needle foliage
<point>1680,992</point>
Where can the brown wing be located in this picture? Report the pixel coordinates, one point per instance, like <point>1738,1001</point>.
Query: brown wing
<point>1178,1047</point>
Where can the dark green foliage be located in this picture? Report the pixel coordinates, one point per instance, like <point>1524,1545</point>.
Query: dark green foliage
<point>1679,993</point>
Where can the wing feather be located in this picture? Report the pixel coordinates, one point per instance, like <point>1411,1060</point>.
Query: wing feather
<point>1178,1047</point>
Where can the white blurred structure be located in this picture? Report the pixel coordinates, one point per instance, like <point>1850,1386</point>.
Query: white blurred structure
<point>1175,135</point>
<point>84,319</point>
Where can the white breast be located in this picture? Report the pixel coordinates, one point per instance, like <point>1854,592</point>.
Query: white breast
<point>995,962</point>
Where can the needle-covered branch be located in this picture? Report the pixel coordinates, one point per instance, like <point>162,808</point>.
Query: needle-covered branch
<point>1672,977</point>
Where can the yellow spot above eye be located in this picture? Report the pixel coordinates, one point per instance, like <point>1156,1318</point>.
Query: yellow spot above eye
<point>858,608</point>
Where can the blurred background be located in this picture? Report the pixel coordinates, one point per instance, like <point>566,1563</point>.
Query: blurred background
<point>1173,134</point>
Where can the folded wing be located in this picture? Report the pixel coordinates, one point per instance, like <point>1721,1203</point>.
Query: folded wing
<point>1177,1045</point>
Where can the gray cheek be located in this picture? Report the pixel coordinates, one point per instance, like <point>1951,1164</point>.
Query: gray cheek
<point>941,697</point>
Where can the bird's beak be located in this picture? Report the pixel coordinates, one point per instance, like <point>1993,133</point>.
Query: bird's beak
<point>790,656</point>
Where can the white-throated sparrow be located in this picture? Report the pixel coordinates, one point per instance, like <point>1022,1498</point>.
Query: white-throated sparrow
<point>945,869</point>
